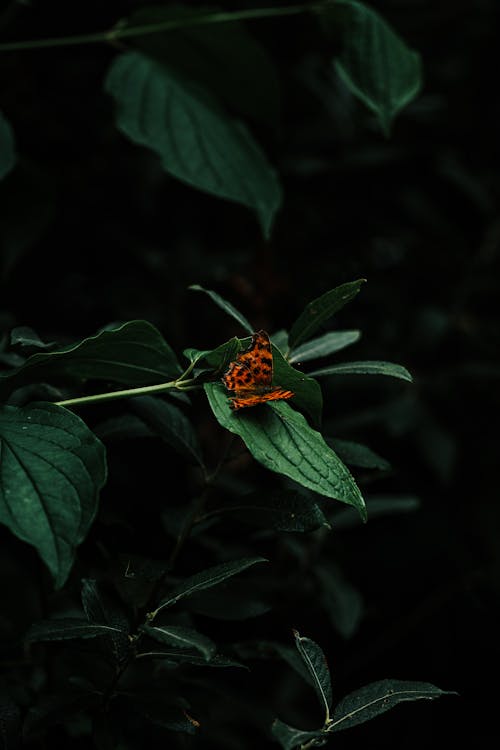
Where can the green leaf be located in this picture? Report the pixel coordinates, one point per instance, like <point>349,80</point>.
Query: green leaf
<point>281,440</point>
<point>168,422</point>
<point>378,697</point>
<point>316,663</point>
<point>207,578</point>
<point>134,354</point>
<point>181,637</point>
<point>197,141</point>
<point>224,305</point>
<point>67,628</point>
<point>375,63</point>
<point>283,510</point>
<point>290,737</point>
<point>324,345</point>
<point>7,147</point>
<point>320,309</point>
<point>28,339</point>
<point>51,471</point>
<point>103,609</point>
<point>173,658</point>
<point>307,391</point>
<point>343,603</point>
<point>364,368</point>
<point>249,84</point>
<point>357,454</point>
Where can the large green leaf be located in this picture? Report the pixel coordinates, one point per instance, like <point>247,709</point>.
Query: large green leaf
<point>7,148</point>
<point>52,468</point>
<point>369,367</point>
<point>374,62</point>
<point>134,354</point>
<point>320,309</point>
<point>280,438</point>
<point>197,141</point>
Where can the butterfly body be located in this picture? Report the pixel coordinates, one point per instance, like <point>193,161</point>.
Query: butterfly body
<point>250,375</point>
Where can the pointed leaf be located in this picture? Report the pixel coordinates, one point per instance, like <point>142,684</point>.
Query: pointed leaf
<point>7,147</point>
<point>364,368</point>
<point>198,142</point>
<point>320,309</point>
<point>208,578</point>
<point>133,354</point>
<point>283,510</point>
<point>279,438</point>
<point>51,471</point>
<point>224,305</point>
<point>316,663</point>
<point>357,454</point>
<point>378,697</point>
<point>173,658</point>
<point>181,637</point>
<point>290,737</point>
<point>63,629</point>
<point>324,345</point>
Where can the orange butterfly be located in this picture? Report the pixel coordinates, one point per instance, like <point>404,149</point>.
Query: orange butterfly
<point>250,375</point>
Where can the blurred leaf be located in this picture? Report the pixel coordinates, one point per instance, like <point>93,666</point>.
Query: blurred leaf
<point>7,147</point>
<point>229,602</point>
<point>68,628</point>
<point>28,338</point>
<point>376,507</point>
<point>270,649</point>
<point>375,64</point>
<point>181,637</point>
<point>281,440</point>
<point>121,427</point>
<point>103,609</point>
<point>134,354</point>
<point>10,722</point>
<point>225,305</point>
<point>357,454</point>
<point>249,84</point>
<point>290,737</point>
<point>170,424</point>
<point>207,578</point>
<point>316,663</point>
<point>343,603</point>
<point>173,658</point>
<point>51,471</point>
<point>364,368</point>
<point>378,697</point>
<point>154,709</point>
<point>320,309</point>
<point>324,345</point>
<point>198,142</point>
<point>283,510</point>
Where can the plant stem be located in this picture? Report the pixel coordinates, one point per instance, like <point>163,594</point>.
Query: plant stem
<point>118,32</point>
<point>182,385</point>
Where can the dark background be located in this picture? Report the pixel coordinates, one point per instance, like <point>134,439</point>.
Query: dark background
<point>93,231</point>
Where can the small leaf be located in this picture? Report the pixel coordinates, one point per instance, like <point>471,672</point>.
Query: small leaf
<point>281,440</point>
<point>101,608</point>
<point>51,471</point>
<point>316,663</point>
<point>320,309</point>
<point>134,354</point>
<point>343,603</point>
<point>324,345</point>
<point>181,637</point>
<point>290,737</point>
<point>68,628</point>
<point>168,422</point>
<point>224,305</point>
<point>357,454</point>
<point>7,147</point>
<point>207,578</point>
<point>364,368</point>
<point>283,510</point>
<point>28,338</point>
<point>197,141</point>
<point>378,697</point>
<point>375,63</point>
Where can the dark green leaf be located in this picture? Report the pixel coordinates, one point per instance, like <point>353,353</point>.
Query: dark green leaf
<point>316,663</point>
<point>342,602</point>
<point>68,628</point>
<point>357,454</point>
<point>134,354</point>
<point>229,602</point>
<point>279,438</point>
<point>364,368</point>
<point>168,422</point>
<point>290,737</point>
<point>307,392</point>
<point>376,507</point>
<point>320,309</point>
<point>10,722</point>
<point>102,608</point>
<point>7,147</point>
<point>181,637</point>
<point>51,471</point>
<point>324,345</point>
<point>198,142</point>
<point>378,697</point>
<point>173,658</point>
<point>121,427</point>
<point>28,338</point>
<point>224,305</point>
<point>283,510</point>
<point>375,63</point>
<point>207,578</point>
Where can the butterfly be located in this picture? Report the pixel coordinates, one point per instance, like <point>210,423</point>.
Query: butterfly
<point>250,375</point>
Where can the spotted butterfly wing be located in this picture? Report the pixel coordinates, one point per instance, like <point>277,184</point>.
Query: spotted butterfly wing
<point>250,375</point>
